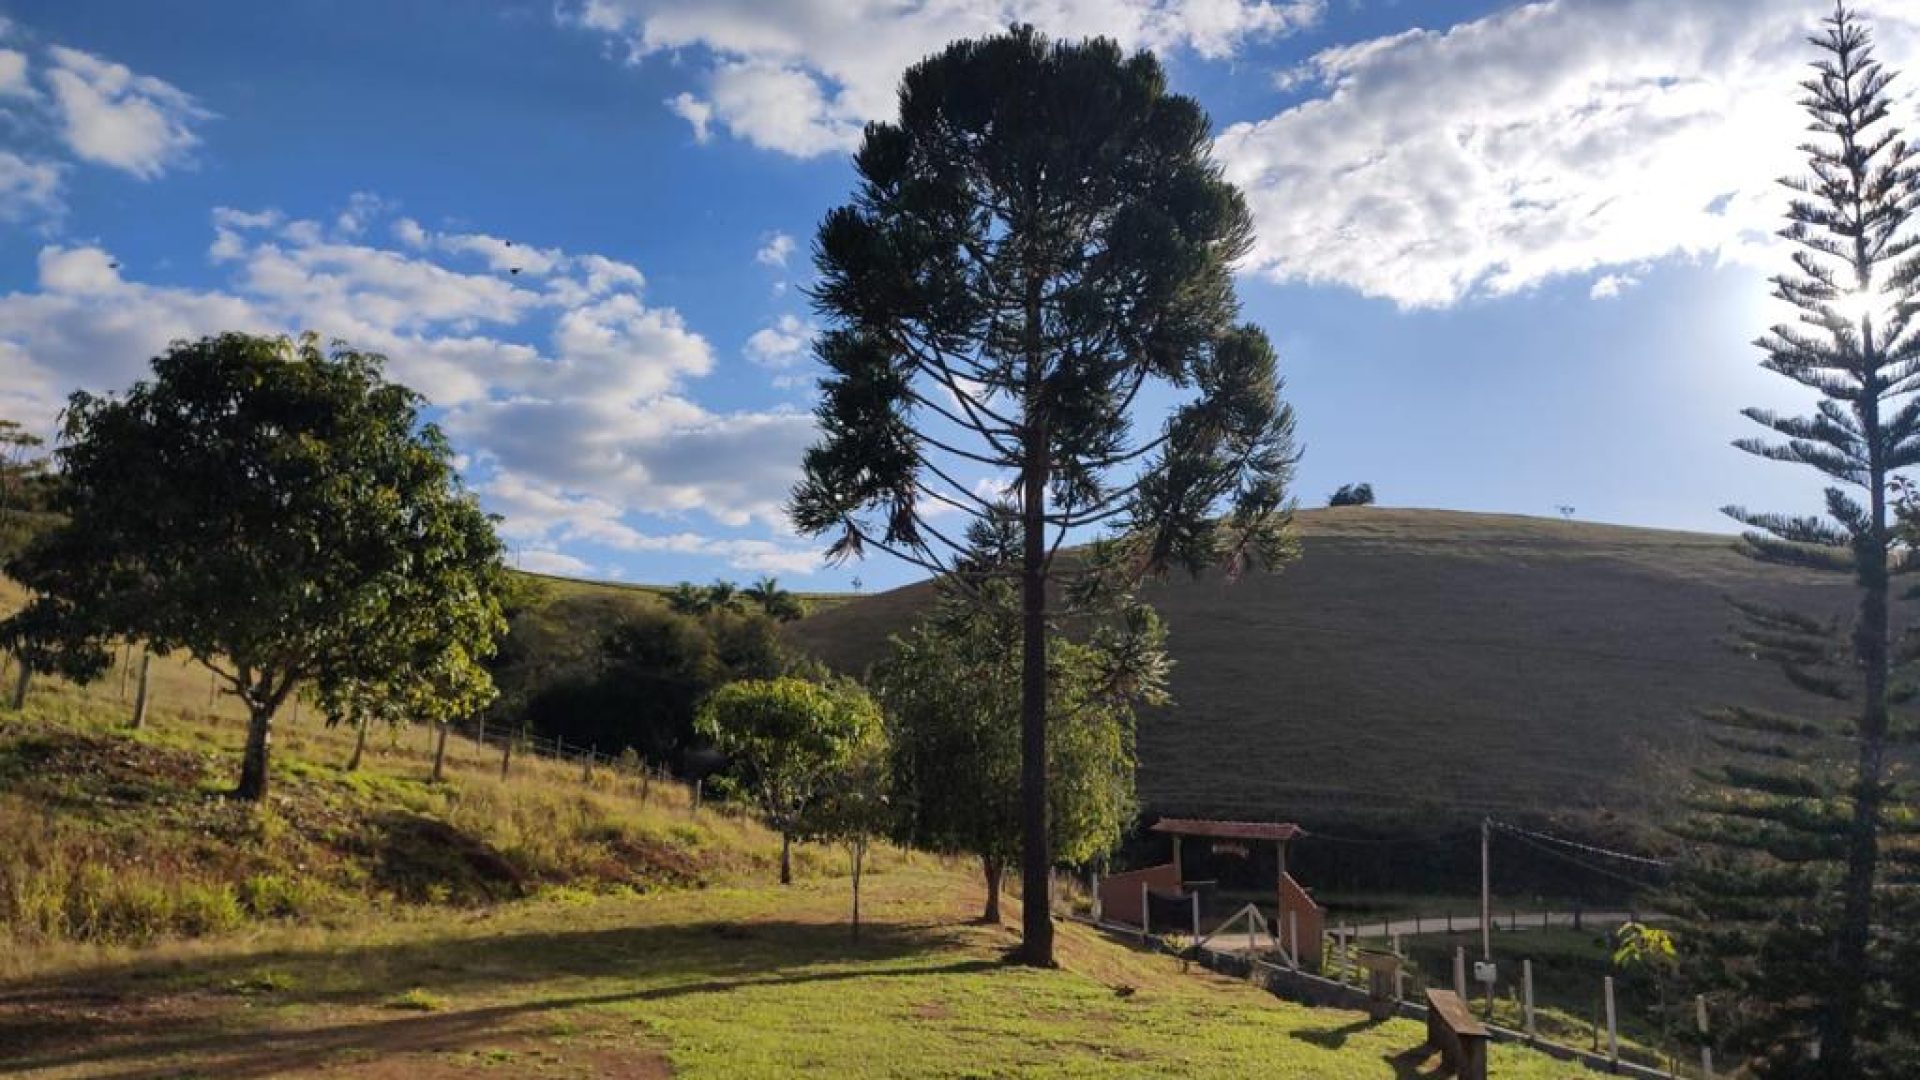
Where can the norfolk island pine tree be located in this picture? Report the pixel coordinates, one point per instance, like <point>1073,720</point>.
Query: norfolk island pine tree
<point>1038,237</point>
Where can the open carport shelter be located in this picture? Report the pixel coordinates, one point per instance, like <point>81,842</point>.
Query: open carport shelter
<point>1126,897</point>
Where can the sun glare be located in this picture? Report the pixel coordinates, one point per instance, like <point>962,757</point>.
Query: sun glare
<point>1859,304</point>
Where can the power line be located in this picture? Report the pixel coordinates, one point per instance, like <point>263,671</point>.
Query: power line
<point>1589,848</point>
<point>1601,870</point>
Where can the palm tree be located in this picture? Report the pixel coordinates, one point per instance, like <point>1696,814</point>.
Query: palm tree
<point>723,596</point>
<point>772,599</point>
<point>687,598</point>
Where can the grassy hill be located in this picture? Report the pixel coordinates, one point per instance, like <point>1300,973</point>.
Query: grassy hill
<point>377,925</point>
<point>1418,668</point>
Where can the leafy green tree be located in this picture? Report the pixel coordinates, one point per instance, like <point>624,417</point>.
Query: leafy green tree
<point>787,739</point>
<point>21,463</point>
<point>950,689</point>
<point>1791,881</point>
<point>855,807</point>
<point>282,513</point>
<point>1352,495</point>
<point>1037,239</point>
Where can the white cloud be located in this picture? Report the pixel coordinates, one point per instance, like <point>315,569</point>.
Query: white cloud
<point>549,561</point>
<point>1561,137</point>
<point>109,115</point>
<point>775,252</point>
<point>13,74</point>
<point>1608,286</point>
<point>801,78</point>
<point>781,345</point>
<point>698,114</point>
<point>573,386</point>
<point>29,189</point>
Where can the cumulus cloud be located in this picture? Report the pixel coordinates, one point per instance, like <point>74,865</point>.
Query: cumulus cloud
<point>781,345</point>
<point>802,78</point>
<point>1555,138</point>
<point>13,74</point>
<point>570,391</point>
<point>775,252</point>
<point>112,116</point>
<point>29,189</point>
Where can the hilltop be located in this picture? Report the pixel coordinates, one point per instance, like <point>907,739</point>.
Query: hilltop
<point>1416,669</point>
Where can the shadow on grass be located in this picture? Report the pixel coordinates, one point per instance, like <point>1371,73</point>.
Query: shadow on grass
<point>1335,1038</point>
<point>1407,1064</point>
<point>108,1016</point>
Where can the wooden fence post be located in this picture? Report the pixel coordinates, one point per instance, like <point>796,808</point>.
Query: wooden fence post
<point>1526,991</point>
<point>1195,897</point>
<point>506,756</point>
<point>1293,938</point>
<point>586,768</point>
<point>1706,1045</point>
<point>1460,972</point>
<point>1613,1031</point>
<point>140,692</point>
<point>697,786</point>
<point>1093,894</point>
<point>1145,913</point>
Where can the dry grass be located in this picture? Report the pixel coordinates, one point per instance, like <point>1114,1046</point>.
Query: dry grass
<point>109,836</point>
<point>1418,668</point>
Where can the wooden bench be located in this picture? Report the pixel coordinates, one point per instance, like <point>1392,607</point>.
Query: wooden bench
<point>1461,1039</point>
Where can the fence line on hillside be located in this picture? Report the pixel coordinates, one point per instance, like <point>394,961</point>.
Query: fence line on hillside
<point>491,747</point>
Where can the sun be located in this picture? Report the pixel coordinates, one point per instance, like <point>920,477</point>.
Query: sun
<point>1859,305</point>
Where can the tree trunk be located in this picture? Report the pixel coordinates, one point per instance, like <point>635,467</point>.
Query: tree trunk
<point>253,763</point>
<point>993,870</point>
<point>20,685</point>
<point>1036,921</point>
<point>440,754</point>
<point>359,743</point>
<point>858,851</point>
<point>786,859</point>
<point>1846,1000</point>
<point>140,692</point>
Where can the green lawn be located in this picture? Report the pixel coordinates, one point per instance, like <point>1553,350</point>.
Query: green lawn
<point>736,982</point>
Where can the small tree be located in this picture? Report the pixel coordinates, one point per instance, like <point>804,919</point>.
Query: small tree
<point>950,693</point>
<point>1352,495</point>
<point>788,738</point>
<point>1039,238</point>
<point>276,510</point>
<point>855,807</point>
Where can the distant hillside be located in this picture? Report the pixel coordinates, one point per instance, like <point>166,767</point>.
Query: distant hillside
<point>1418,668</point>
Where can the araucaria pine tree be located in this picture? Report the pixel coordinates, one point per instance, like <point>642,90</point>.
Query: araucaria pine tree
<point>1803,844</point>
<point>1039,243</point>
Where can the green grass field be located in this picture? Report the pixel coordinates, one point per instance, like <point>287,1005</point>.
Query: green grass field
<point>727,982</point>
<point>376,925</point>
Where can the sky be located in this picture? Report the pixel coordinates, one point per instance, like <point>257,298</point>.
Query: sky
<point>1513,256</point>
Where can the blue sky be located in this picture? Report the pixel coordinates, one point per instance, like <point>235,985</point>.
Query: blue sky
<point>1512,254</point>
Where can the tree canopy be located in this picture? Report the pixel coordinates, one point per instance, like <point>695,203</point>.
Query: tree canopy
<point>788,739</point>
<point>281,512</point>
<point>950,690</point>
<point>1037,239</point>
<point>1352,495</point>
